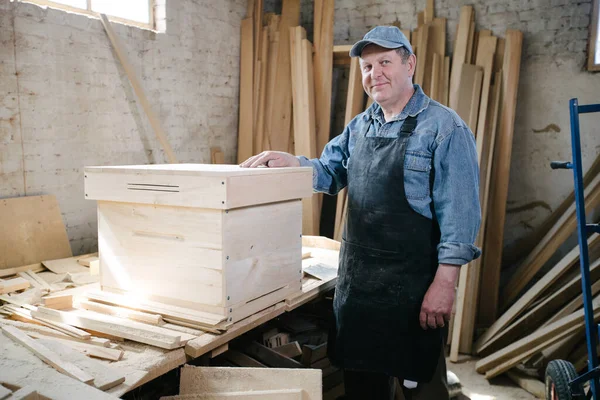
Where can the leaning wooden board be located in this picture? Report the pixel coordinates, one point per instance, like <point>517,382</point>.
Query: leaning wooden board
<point>32,231</point>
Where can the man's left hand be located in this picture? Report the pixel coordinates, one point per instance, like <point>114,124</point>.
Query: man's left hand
<point>437,304</point>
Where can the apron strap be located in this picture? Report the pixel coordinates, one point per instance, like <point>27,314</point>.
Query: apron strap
<point>408,127</point>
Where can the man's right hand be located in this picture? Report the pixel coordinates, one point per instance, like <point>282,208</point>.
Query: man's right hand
<point>271,159</point>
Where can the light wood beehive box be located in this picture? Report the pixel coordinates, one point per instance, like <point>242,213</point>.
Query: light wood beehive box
<point>215,238</point>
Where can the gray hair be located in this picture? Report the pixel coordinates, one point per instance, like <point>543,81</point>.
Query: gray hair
<point>403,53</point>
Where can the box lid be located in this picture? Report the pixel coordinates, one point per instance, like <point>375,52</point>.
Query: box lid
<point>197,185</point>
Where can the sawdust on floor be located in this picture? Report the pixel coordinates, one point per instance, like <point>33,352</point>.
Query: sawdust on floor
<point>476,387</point>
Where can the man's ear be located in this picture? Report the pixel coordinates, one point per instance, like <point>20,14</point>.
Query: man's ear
<point>412,63</point>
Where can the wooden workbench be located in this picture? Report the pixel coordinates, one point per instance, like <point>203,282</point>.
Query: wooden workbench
<point>142,363</point>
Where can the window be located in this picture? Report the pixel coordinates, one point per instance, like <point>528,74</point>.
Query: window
<point>132,12</point>
<point>594,45</point>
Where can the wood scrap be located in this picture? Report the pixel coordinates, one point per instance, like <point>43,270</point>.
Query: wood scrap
<point>65,265</point>
<point>104,377</point>
<point>14,284</point>
<point>37,267</point>
<point>47,355</point>
<point>58,301</point>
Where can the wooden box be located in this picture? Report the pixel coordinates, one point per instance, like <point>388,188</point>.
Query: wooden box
<point>219,239</point>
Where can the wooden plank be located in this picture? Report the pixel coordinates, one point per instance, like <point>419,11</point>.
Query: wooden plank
<point>152,319</point>
<point>4,392</point>
<point>119,327</point>
<point>305,141</point>
<point>48,356</point>
<point>500,174</point>
<point>446,84</point>
<point>14,284</point>
<point>485,59</point>
<point>274,44</point>
<point>40,281</point>
<point>37,267</point>
<point>58,298</point>
<point>565,226</point>
<point>219,350</point>
<point>105,377</point>
<point>262,96</point>
<point>219,379</point>
<point>245,133</point>
<point>341,54</point>
<point>499,57</point>
<point>562,267</point>
<point>429,12</point>
<point>281,115</point>
<point>528,383</point>
<point>171,312</point>
<point>436,46</point>
<point>32,230</point>
<point>486,157</point>
<point>25,393</point>
<point>470,86</point>
<point>216,155</point>
<point>471,40</point>
<point>139,91</point>
<point>423,51</point>
<point>65,265</point>
<point>544,336</point>
<point>460,54</point>
<point>91,350</point>
<point>323,68</point>
<point>268,356</point>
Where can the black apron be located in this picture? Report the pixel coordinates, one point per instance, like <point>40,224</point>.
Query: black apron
<point>388,259</point>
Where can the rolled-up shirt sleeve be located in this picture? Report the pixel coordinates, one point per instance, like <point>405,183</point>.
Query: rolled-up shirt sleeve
<point>456,196</point>
<point>330,173</point>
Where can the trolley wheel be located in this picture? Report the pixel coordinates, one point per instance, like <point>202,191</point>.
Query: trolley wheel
<point>558,375</point>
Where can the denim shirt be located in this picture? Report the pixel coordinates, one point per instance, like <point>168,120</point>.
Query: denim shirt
<point>442,145</point>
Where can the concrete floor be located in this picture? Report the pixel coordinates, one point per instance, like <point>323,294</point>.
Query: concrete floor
<point>476,387</point>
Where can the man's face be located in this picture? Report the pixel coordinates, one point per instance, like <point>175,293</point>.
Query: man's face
<point>384,76</point>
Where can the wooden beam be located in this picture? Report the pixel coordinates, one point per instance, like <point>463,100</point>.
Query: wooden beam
<point>48,356</point>
<point>137,88</point>
<point>500,175</point>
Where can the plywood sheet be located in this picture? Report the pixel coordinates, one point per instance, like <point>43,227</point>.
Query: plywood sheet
<point>216,379</point>
<point>32,231</point>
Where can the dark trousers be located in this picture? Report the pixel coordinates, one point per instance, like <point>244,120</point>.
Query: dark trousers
<point>362,385</point>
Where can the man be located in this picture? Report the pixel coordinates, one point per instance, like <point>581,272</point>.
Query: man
<point>410,165</point>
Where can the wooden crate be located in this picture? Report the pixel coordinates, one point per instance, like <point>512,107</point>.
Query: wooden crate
<point>215,238</point>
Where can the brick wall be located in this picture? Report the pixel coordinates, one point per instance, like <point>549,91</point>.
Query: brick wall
<point>66,103</point>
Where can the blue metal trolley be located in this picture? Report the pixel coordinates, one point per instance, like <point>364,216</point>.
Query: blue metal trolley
<point>562,382</point>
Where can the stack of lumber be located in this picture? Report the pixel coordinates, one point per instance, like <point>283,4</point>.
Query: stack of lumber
<point>543,315</point>
<point>285,86</point>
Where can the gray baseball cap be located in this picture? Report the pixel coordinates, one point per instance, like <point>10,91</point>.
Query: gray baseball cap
<point>389,37</point>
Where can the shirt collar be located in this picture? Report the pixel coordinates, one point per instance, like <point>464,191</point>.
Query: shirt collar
<point>417,103</point>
